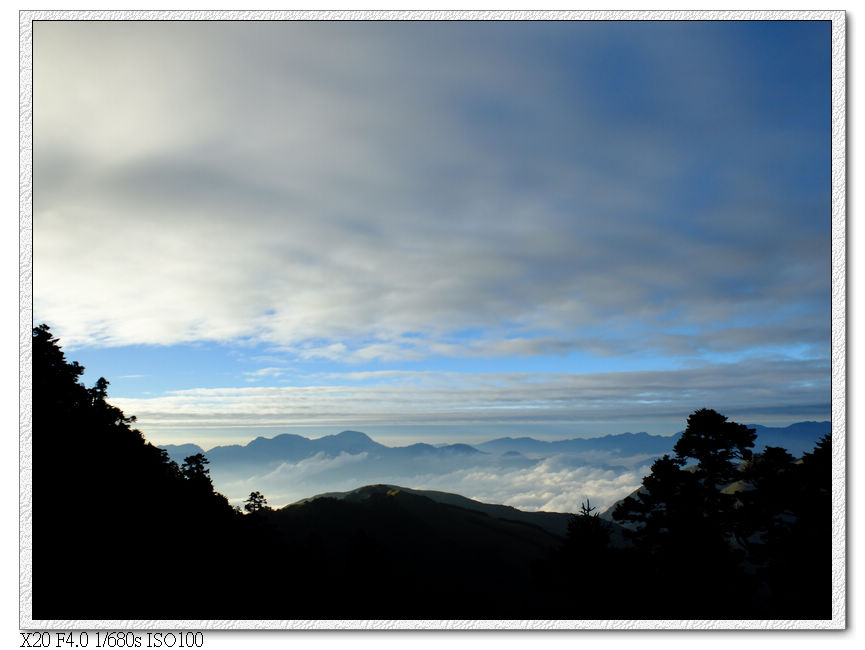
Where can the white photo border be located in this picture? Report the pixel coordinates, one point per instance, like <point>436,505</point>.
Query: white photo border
<point>839,323</point>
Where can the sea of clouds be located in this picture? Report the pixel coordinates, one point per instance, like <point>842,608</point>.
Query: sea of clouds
<point>558,483</point>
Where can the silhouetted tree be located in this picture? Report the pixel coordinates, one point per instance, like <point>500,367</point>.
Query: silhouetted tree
<point>752,531</point>
<point>194,468</point>
<point>586,566</point>
<point>588,534</point>
<point>99,390</point>
<point>716,444</point>
<point>683,518</point>
<point>151,516</point>
<point>766,500</point>
<point>817,466</point>
<point>794,557</point>
<point>255,502</point>
<point>679,500</point>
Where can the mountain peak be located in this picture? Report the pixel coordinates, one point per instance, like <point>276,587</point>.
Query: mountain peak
<point>353,436</point>
<point>352,442</point>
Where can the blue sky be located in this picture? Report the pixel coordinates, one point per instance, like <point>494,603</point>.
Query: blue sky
<point>439,231</point>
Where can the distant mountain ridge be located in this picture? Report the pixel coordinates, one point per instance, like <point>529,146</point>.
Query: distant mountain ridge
<point>288,467</point>
<point>625,443</point>
<point>290,448</point>
<point>179,452</point>
<point>796,438</point>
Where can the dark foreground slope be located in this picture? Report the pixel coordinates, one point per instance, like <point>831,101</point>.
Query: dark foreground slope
<point>553,522</point>
<point>119,531</point>
<point>383,552</point>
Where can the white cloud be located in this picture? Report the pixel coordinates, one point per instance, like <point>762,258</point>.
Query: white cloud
<point>290,482</point>
<point>752,389</point>
<point>228,182</point>
<point>261,373</point>
<point>557,484</point>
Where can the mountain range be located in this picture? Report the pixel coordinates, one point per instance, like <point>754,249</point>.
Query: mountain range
<point>625,444</point>
<point>796,438</point>
<point>263,453</point>
<point>523,472</point>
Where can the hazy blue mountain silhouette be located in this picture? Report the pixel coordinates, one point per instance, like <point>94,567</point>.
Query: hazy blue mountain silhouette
<point>288,467</point>
<point>179,452</point>
<point>262,453</point>
<point>796,438</point>
<point>624,444</point>
<point>270,452</point>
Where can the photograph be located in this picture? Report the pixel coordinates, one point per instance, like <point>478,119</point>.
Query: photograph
<point>397,321</point>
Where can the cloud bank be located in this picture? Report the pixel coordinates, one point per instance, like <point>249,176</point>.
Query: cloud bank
<point>556,484</point>
<point>373,191</point>
<point>746,390</point>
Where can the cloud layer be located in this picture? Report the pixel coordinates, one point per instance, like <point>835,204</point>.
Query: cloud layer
<point>360,191</point>
<point>455,224</point>
<point>748,390</point>
<point>556,484</point>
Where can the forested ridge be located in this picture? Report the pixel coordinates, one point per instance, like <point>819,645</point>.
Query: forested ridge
<point>122,532</point>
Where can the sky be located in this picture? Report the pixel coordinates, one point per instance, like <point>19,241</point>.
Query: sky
<point>438,231</point>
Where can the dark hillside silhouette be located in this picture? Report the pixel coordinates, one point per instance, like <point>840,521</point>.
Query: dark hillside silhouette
<point>553,522</point>
<point>394,554</point>
<point>119,531</point>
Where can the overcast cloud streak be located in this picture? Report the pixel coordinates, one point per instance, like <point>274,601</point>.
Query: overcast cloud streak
<point>747,391</point>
